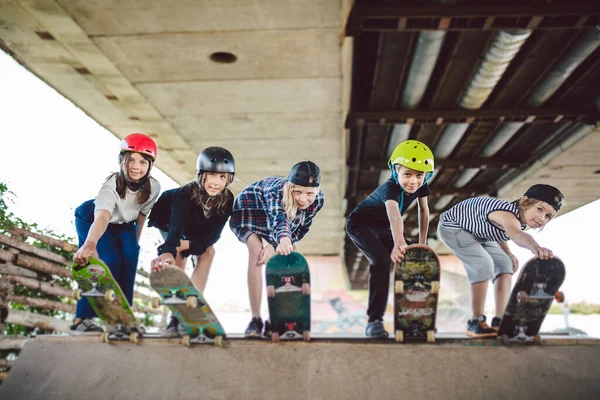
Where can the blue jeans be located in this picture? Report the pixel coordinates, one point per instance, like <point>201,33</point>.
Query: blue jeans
<point>118,248</point>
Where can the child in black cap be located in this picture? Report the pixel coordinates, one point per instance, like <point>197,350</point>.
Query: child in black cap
<point>477,231</point>
<point>280,212</point>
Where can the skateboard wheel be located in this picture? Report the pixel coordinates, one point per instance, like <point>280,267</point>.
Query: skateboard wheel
<point>305,289</point>
<point>306,336</point>
<point>430,336</point>
<point>219,341</point>
<point>191,301</point>
<point>399,336</point>
<point>77,294</point>
<point>209,332</point>
<point>399,287</point>
<point>435,287</point>
<point>109,295</point>
<point>104,337</point>
<point>560,297</point>
<point>186,340</point>
<point>537,339</point>
<point>275,337</point>
<point>522,297</point>
<point>155,302</point>
<point>504,339</point>
<point>270,291</point>
<point>134,337</point>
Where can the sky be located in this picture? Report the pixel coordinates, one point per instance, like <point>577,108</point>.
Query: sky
<point>54,157</point>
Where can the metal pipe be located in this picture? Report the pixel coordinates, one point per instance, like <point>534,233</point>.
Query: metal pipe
<point>585,45</point>
<point>496,60</point>
<point>421,67</point>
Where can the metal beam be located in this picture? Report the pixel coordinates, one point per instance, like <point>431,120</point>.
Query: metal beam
<point>439,117</point>
<point>482,163</point>
<point>478,17</point>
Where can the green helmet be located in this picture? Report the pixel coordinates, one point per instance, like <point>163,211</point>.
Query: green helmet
<point>412,154</point>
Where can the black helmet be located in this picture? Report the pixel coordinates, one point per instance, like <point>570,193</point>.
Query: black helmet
<point>547,193</point>
<point>305,173</point>
<point>215,159</point>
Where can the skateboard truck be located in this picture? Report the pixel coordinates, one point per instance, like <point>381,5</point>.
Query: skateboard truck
<point>94,292</point>
<point>124,332</point>
<point>538,292</point>
<point>173,300</point>
<point>109,294</point>
<point>521,337</point>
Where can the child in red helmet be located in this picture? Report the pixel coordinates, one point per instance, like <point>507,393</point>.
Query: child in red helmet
<point>280,212</point>
<point>477,231</point>
<point>109,227</point>
<point>191,219</point>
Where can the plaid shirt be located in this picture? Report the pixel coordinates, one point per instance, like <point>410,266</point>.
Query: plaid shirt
<point>259,209</point>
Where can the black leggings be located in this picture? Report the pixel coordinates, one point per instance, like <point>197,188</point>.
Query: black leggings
<point>376,244</point>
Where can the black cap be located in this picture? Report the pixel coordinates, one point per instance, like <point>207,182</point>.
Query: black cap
<point>215,159</point>
<point>305,173</point>
<point>547,193</point>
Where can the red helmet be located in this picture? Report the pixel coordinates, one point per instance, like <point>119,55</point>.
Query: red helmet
<point>139,143</point>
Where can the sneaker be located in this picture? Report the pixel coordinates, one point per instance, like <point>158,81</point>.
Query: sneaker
<point>477,327</point>
<point>267,331</point>
<point>496,323</point>
<point>254,328</point>
<point>86,327</point>
<point>173,329</point>
<point>375,329</point>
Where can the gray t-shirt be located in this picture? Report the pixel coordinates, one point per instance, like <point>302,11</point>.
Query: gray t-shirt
<point>127,209</point>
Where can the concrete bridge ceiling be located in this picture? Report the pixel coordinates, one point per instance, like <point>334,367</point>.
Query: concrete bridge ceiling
<point>506,93</point>
<point>160,67</point>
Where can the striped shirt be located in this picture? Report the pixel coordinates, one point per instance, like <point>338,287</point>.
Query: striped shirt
<point>472,215</point>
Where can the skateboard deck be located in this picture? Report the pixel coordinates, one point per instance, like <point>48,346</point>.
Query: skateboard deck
<point>97,284</point>
<point>416,288</point>
<point>288,294</point>
<point>189,306</point>
<point>531,297</point>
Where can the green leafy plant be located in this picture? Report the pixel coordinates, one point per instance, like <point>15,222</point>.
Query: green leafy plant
<point>9,221</point>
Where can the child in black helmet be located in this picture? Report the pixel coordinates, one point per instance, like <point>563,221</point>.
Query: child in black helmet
<point>280,212</point>
<point>477,231</point>
<point>191,218</point>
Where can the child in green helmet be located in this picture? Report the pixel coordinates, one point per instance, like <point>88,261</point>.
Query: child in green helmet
<point>376,227</point>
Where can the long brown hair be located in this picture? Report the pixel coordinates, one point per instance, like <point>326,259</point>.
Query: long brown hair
<point>200,197</point>
<point>144,192</point>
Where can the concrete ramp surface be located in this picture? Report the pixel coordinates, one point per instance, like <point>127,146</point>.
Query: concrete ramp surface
<point>75,368</point>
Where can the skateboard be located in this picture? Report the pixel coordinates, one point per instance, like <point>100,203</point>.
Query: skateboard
<point>416,288</point>
<point>288,294</point>
<point>97,284</point>
<point>530,300</point>
<point>189,306</point>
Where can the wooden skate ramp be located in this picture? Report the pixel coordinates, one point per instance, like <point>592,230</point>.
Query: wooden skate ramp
<point>78,369</point>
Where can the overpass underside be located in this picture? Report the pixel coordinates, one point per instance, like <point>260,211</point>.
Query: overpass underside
<point>84,368</point>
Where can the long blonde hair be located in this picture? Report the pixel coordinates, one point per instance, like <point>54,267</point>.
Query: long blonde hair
<point>289,204</point>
